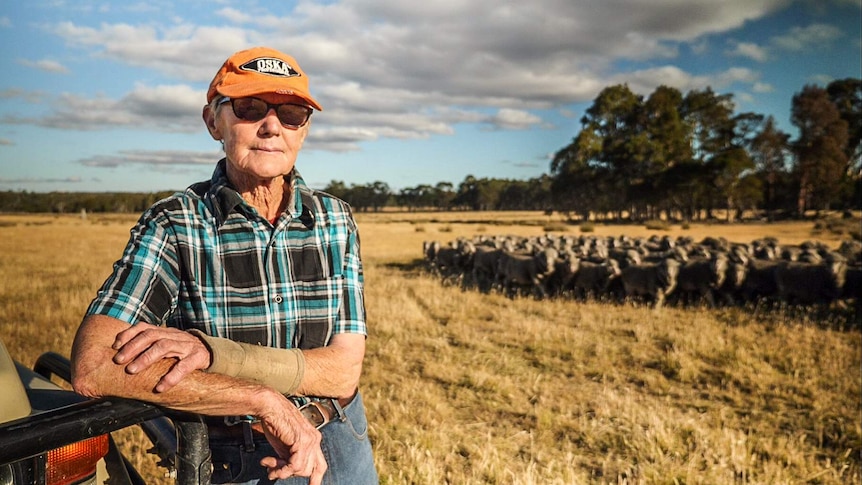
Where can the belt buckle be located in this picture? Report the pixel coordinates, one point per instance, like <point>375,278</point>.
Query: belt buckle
<point>313,412</point>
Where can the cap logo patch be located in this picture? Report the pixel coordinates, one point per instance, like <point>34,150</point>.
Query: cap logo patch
<point>270,66</point>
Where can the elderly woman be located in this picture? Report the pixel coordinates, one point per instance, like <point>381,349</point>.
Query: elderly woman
<point>241,298</point>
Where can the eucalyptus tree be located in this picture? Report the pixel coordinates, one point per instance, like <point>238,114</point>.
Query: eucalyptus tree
<point>530,194</point>
<point>718,158</point>
<point>846,94</point>
<point>615,120</point>
<point>668,146</point>
<point>415,197</point>
<point>380,194</point>
<point>443,195</point>
<point>733,165</point>
<point>468,193</point>
<point>337,188</point>
<point>821,158</point>
<point>770,150</point>
<point>578,177</point>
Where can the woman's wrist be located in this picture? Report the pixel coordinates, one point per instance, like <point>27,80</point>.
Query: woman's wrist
<point>281,369</point>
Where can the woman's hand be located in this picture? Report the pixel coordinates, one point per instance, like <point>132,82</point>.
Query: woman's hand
<point>297,444</point>
<point>142,345</point>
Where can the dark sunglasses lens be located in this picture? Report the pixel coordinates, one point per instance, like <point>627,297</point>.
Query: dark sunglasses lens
<point>293,114</point>
<point>253,109</point>
<point>249,109</point>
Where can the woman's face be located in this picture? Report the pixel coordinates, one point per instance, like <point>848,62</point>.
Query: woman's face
<point>257,152</point>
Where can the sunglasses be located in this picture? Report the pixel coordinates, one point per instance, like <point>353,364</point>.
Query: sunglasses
<point>254,109</point>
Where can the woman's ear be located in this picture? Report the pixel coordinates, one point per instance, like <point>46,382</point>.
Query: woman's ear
<point>209,116</point>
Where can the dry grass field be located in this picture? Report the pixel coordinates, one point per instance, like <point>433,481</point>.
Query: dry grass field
<point>468,388</point>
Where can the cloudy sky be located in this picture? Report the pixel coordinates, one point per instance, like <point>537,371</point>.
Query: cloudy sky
<point>106,95</point>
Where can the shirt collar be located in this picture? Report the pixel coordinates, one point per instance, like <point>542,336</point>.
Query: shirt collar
<point>223,199</point>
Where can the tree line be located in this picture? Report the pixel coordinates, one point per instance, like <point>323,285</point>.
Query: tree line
<point>670,154</point>
<point>77,202</point>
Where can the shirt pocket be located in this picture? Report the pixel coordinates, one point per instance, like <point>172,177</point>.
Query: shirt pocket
<point>318,304</point>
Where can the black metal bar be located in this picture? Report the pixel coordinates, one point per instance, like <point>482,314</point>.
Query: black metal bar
<point>53,363</point>
<point>36,434</point>
<point>162,434</point>
<point>194,463</point>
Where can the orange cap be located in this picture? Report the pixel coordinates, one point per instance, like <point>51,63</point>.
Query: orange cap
<point>260,70</point>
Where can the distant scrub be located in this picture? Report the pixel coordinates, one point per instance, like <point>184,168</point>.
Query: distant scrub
<point>555,227</point>
<point>657,225</point>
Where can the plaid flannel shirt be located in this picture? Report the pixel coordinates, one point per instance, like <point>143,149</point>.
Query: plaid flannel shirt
<point>205,259</point>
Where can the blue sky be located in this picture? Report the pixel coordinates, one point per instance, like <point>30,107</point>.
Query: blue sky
<point>106,95</point>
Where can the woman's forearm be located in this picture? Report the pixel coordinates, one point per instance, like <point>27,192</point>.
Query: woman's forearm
<point>95,374</point>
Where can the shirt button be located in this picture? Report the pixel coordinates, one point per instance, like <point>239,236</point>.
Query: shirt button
<point>278,299</point>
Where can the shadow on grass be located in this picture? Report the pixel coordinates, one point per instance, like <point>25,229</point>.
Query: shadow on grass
<point>412,268</point>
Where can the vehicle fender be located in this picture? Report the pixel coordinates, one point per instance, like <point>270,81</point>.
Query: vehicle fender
<point>14,403</point>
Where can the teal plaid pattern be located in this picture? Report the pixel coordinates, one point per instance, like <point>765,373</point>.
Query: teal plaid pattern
<point>205,259</point>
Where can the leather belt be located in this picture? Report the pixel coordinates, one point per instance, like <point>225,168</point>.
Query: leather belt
<point>320,413</point>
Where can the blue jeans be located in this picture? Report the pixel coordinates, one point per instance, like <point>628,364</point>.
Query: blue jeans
<point>345,446</point>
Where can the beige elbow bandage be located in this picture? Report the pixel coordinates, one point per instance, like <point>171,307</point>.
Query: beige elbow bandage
<point>281,369</point>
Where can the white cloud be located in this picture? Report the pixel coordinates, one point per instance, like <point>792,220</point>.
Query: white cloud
<point>735,75</point>
<point>182,51</point>
<point>750,50</point>
<point>43,180</point>
<point>33,97</point>
<point>514,119</point>
<point>645,81</point>
<point>744,97</point>
<point>803,38</point>
<point>5,22</point>
<point>46,65</point>
<point>760,87</point>
<point>160,108</point>
<point>820,79</point>
<point>261,19</point>
<point>162,158</point>
<point>235,16</point>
